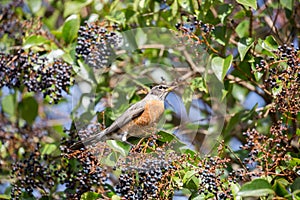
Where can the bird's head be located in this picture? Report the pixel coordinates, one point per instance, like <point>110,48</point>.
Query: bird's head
<point>161,91</point>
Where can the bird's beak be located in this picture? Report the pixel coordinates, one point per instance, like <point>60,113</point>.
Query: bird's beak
<point>171,88</point>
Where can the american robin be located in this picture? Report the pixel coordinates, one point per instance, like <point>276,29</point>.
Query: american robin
<point>137,121</point>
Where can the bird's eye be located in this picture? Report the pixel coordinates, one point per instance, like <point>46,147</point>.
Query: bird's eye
<point>160,87</point>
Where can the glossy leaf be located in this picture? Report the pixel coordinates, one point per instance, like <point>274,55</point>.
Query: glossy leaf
<point>256,188</point>
<point>28,109</point>
<point>239,117</point>
<point>115,197</point>
<point>4,196</point>
<point>257,74</point>
<point>8,104</point>
<point>34,40</point>
<point>48,149</point>
<point>70,28</point>
<point>90,196</point>
<point>188,175</point>
<point>165,137</point>
<point>270,43</point>
<point>74,7</point>
<point>198,83</point>
<point>34,5</point>
<point>119,146</point>
<point>220,66</point>
<point>296,185</point>
<point>174,8</point>
<point>243,46</point>
<point>250,3</point>
<point>223,11</point>
<point>287,4</point>
<point>280,188</point>
<point>242,29</point>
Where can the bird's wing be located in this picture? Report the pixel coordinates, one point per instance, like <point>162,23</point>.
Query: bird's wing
<point>131,113</point>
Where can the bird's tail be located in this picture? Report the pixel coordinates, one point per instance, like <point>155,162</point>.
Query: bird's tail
<point>91,140</point>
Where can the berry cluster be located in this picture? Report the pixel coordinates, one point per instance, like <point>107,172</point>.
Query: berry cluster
<point>192,25</point>
<point>41,174</point>
<point>196,33</point>
<point>36,73</point>
<point>143,178</point>
<point>84,177</point>
<point>13,142</point>
<point>284,79</point>
<point>96,44</point>
<point>267,153</point>
<point>210,171</point>
<point>31,174</point>
<point>10,23</point>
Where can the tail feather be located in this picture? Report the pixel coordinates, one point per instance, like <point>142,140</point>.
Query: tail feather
<point>93,139</point>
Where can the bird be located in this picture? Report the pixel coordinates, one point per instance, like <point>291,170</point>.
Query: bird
<point>138,120</point>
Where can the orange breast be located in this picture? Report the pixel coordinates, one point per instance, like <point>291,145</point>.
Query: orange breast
<point>152,113</point>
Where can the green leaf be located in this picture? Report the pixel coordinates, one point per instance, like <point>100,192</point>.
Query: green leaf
<point>220,33</point>
<point>270,43</point>
<point>220,66</point>
<point>256,188</point>
<point>165,137</point>
<point>188,151</point>
<point>242,29</point>
<point>70,28</point>
<point>188,5</point>
<point>287,4</point>
<point>239,15</point>
<point>239,117</point>
<point>8,104</point>
<point>119,146</point>
<point>239,92</point>
<point>187,97</point>
<point>34,40</point>
<point>34,5</point>
<point>48,149</point>
<point>257,74</point>
<point>28,109</point>
<point>235,187</point>
<point>250,3</point>
<point>174,8</point>
<point>224,94</point>
<point>89,196</point>
<point>198,196</point>
<point>294,162</point>
<point>243,46</point>
<point>177,180</point>
<point>280,188</point>
<point>188,175</point>
<point>111,159</point>
<point>198,83</point>
<point>192,183</point>
<point>223,11</point>
<point>296,184</point>
<point>4,196</point>
<point>115,197</point>
<point>74,7</point>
